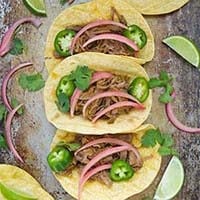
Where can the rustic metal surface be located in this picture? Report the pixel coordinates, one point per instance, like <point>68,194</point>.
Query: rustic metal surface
<point>33,133</point>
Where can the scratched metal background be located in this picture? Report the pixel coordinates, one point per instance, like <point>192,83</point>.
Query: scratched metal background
<point>32,133</point>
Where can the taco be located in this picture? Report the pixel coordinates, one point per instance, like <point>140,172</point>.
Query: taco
<point>16,184</point>
<point>94,92</point>
<point>110,27</point>
<point>157,7</point>
<point>103,167</point>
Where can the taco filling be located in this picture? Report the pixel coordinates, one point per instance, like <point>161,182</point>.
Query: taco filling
<point>112,36</point>
<point>105,159</point>
<point>100,95</point>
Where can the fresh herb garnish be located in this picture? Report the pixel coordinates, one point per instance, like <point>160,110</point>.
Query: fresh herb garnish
<point>81,76</point>
<point>63,102</point>
<point>63,2</point>
<point>3,112</point>
<point>15,103</point>
<point>71,146</point>
<point>154,136</point>
<point>2,142</point>
<point>31,82</point>
<point>17,47</point>
<point>164,81</point>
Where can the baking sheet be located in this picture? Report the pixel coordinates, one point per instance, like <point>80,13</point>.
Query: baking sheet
<point>32,134</point>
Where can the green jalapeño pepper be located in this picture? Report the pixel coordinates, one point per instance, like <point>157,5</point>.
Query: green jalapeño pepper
<point>59,159</point>
<point>65,86</point>
<point>136,34</point>
<point>121,171</point>
<point>139,89</point>
<point>63,41</point>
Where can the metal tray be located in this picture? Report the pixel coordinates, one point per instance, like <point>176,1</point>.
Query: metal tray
<point>32,134</point>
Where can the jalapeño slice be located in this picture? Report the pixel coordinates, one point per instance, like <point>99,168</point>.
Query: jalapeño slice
<point>63,41</point>
<point>135,33</point>
<point>139,89</point>
<point>121,171</point>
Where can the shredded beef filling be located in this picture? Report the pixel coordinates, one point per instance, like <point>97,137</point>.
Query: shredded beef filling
<point>116,83</point>
<point>83,157</point>
<point>103,46</point>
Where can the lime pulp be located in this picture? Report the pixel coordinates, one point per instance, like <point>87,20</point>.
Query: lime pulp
<point>185,48</point>
<point>171,181</point>
<point>36,6</point>
<point>12,194</point>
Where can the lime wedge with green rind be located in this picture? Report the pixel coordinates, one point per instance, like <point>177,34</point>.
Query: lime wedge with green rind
<point>12,194</point>
<point>185,48</point>
<point>171,181</point>
<point>37,7</point>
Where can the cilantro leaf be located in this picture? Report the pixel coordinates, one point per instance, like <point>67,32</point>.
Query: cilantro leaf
<point>63,102</point>
<point>73,146</point>
<point>149,139</point>
<point>174,152</point>
<point>31,82</point>
<point>17,47</point>
<point>2,142</point>
<point>159,137</point>
<point>164,81</point>
<point>81,76</point>
<point>62,2</point>
<point>153,137</point>
<point>3,112</point>
<point>167,140</point>
<point>164,151</point>
<point>15,103</point>
<point>164,76</point>
<point>155,82</point>
<point>166,96</point>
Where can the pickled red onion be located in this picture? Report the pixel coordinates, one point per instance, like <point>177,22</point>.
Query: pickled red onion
<point>111,36</point>
<point>7,39</point>
<point>8,132</point>
<point>92,25</point>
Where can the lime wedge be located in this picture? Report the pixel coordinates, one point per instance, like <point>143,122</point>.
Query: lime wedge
<point>171,181</point>
<point>36,6</point>
<point>12,194</point>
<point>185,48</point>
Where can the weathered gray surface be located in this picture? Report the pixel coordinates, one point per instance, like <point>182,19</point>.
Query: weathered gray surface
<point>34,133</point>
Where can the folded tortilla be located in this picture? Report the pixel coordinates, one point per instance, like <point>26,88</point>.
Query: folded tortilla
<point>97,62</point>
<point>80,15</point>
<point>118,191</point>
<point>157,7</point>
<point>18,179</point>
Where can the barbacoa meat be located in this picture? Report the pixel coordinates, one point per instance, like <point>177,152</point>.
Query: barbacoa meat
<point>116,83</point>
<point>83,157</point>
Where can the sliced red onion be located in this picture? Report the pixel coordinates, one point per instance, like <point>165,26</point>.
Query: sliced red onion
<point>91,173</point>
<point>172,118</point>
<point>77,92</point>
<point>110,94</point>
<point>114,106</point>
<point>7,39</point>
<point>8,132</point>
<point>92,25</point>
<point>100,156</point>
<point>111,36</point>
<point>73,101</point>
<point>110,141</point>
<point>6,80</point>
<point>100,75</point>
